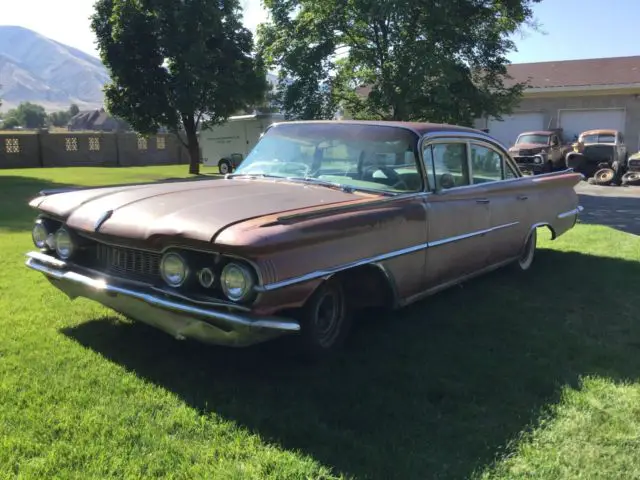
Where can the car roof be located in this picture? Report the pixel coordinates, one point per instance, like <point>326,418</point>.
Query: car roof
<point>421,128</point>
<point>600,131</point>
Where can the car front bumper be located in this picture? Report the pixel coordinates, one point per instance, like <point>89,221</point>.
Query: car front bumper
<point>182,319</point>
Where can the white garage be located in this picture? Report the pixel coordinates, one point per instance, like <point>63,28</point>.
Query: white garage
<point>573,122</point>
<point>506,131</point>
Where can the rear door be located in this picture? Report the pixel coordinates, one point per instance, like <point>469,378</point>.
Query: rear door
<point>510,199</point>
<point>458,214</point>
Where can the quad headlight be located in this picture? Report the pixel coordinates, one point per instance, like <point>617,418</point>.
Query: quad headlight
<point>64,244</point>
<point>237,281</point>
<point>174,269</point>
<point>39,234</point>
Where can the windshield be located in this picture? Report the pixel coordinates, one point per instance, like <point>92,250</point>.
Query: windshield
<point>601,138</point>
<point>540,139</point>
<point>354,156</point>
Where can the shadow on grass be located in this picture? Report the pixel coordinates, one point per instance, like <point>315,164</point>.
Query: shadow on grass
<point>17,191</point>
<point>15,194</point>
<point>435,391</point>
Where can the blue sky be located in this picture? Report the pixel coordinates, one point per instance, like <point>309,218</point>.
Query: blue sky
<point>572,28</point>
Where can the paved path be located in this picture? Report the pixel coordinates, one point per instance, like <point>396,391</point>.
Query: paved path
<point>617,207</point>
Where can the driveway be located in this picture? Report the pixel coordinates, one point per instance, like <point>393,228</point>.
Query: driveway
<point>616,207</point>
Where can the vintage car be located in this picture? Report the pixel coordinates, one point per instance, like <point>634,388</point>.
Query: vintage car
<point>598,150</point>
<point>541,151</point>
<point>632,175</point>
<point>322,218</point>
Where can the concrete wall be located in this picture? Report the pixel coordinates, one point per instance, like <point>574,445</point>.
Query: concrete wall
<point>550,107</point>
<point>23,150</point>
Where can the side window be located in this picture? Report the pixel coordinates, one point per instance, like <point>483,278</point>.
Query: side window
<point>446,165</point>
<point>486,164</point>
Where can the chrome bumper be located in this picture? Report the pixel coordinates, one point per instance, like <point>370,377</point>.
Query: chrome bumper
<point>181,319</point>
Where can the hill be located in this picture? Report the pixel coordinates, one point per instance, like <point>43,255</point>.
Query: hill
<point>40,70</point>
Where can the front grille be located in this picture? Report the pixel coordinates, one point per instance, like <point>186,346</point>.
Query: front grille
<point>126,262</point>
<point>634,163</point>
<point>525,153</point>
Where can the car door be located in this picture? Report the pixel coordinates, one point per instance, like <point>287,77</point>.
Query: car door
<point>510,200</point>
<point>457,214</point>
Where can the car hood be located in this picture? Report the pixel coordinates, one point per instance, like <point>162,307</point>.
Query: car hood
<point>197,210</point>
<point>527,146</point>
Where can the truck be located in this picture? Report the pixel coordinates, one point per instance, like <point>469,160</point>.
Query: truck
<point>227,145</point>
<point>540,151</point>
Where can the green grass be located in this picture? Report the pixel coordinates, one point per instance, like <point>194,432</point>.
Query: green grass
<point>510,376</point>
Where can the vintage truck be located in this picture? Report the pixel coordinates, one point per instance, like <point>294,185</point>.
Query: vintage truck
<point>540,151</point>
<point>601,154</point>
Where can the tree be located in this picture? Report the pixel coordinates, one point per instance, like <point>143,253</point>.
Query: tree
<point>420,60</point>
<point>73,110</point>
<point>178,64</point>
<point>27,115</point>
<point>61,118</point>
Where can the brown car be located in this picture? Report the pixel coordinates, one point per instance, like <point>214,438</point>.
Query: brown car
<point>322,218</point>
<point>540,151</point>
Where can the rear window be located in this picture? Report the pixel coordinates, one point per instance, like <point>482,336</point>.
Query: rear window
<point>599,138</point>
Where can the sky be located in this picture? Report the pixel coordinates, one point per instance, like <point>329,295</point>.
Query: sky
<point>569,29</point>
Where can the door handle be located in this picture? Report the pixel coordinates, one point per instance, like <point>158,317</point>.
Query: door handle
<point>522,197</point>
<point>482,200</point>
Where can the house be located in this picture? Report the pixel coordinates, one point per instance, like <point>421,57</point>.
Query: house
<point>96,120</point>
<point>575,95</point>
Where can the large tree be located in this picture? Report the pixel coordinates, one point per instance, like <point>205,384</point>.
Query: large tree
<point>429,60</point>
<point>27,115</point>
<point>180,64</point>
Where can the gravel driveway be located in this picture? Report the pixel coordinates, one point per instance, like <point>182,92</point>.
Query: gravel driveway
<point>617,207</point>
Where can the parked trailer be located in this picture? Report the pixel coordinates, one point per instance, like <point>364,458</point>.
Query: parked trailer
<point>228,144</point>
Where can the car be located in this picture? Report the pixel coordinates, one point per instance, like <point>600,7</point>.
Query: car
<point>632,175</point>
<point>321,219</point>
<point>540,151</point>
<point>596,150</point>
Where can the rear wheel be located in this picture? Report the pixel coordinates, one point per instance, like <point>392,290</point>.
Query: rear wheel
<point>528,253</point>
<point>224,166</point>
<point>325,320</point>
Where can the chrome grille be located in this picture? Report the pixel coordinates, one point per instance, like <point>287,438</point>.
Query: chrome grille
<point>634,163</point>
<point>128,262</point>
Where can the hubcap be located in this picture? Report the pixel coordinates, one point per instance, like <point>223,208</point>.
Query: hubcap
<point>224,168</point>
<point>328,316</point>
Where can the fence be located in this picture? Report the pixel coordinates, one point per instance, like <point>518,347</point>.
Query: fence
<point>29,150</point>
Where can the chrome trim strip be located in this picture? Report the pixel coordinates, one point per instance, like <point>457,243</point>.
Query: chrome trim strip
<point>60,265</point>
<point>570,213</point>
<point>385,256</point>
<point>231,319</point>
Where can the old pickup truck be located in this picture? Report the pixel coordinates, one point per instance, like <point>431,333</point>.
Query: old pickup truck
<point>540,151</point>
<point>321,219</point>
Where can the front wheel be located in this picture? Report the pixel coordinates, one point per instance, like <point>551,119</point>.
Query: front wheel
<point>325,320</point>
<point>528,253</point>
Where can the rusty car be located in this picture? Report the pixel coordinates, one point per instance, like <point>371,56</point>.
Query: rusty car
<point>601,154</point>
<point>540,151</point>
<point>321,219</point>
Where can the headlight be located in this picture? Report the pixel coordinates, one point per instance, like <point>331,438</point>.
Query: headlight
<point>39,234</point>
<point>173,269</point>
<point>64,244</point>
<point>537,159</point>
<point>237,281</point>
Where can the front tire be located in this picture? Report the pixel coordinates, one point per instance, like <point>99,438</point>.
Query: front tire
<point>525,260</point>
<point>325,320</point>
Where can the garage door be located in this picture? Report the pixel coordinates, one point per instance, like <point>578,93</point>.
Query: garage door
<point>506,131</point>
<point>573,122</point>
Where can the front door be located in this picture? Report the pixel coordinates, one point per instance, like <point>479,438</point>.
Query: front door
<point>458,215</point>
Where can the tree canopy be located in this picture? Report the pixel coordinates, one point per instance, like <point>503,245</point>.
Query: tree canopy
<point>177,64</point>
<point>418,60</point>
<point>27,115</point>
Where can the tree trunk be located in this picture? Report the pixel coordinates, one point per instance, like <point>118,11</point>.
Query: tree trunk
<point>192,144</point>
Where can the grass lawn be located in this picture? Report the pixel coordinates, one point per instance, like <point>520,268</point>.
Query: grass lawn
<point>510,376</point>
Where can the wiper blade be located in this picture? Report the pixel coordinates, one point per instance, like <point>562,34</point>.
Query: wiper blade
<point>324,183</point>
